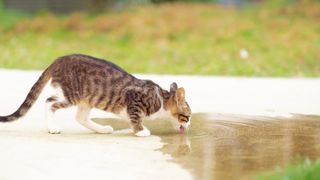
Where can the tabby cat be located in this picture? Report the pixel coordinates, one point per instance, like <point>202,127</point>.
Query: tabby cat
<point>88,82</point>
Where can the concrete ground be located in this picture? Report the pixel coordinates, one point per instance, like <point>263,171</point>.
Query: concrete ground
<point>29,152</point>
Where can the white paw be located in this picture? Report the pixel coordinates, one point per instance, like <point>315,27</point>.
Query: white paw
<point>106,130</point>
<point>54,130</point>
<point>144,133</point>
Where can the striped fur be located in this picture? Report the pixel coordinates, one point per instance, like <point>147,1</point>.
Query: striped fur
<point>96,83</point>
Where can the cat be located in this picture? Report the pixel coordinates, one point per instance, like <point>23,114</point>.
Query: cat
<point>88,82</point>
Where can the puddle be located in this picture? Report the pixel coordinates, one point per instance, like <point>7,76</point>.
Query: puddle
<point>224,146</point>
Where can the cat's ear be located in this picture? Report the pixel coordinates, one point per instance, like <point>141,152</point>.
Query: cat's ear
<point>180,95</point>
<point>173,88</point>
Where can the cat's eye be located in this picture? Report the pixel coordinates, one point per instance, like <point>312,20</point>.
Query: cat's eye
<point>183,117</point>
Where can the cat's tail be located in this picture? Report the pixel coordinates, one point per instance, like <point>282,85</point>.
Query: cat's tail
<point>30,99</point>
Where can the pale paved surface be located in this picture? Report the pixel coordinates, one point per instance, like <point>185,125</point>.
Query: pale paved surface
<point>28,152</point>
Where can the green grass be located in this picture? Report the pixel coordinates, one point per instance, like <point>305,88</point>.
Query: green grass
<point>306,170</point>
<point>173,39</point>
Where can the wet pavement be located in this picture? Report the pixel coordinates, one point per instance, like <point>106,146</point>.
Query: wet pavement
<point>226,146</point>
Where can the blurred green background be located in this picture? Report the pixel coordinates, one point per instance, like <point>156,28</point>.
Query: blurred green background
<point>217,37</point>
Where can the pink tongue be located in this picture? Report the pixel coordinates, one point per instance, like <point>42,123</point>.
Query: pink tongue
<point>181,129</point>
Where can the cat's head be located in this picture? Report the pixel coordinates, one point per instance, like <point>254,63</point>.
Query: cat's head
<point>179,108</point>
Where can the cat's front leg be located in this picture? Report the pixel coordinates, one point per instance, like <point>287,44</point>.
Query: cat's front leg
<point>138,128</point>
<point>136,122</point>
<point>143,133</point>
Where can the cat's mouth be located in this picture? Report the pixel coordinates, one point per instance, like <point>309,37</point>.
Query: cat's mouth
<point>182,129</point>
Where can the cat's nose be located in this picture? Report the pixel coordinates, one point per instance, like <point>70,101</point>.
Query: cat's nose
<point>185,125</point>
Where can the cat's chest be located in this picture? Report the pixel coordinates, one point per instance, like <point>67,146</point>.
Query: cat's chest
<point>161,113</point>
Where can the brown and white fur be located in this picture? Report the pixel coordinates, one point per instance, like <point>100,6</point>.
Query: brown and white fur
<point>88,82</point>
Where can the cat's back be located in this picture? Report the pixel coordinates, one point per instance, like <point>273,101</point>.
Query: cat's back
<point>76,63</point>
<point>79,68</point>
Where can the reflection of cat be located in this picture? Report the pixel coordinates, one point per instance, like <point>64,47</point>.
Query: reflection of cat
<point>89,82</point>
<point>178,145</point>
<point>184,147</point>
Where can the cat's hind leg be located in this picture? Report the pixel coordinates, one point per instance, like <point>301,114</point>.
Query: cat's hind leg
<point>82,117</point>
<point>52,105</point>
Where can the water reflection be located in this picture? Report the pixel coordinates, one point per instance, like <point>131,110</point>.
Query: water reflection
<point>237,147</point>
<point>224,146</point>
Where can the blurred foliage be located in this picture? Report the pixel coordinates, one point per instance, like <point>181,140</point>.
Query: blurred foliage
<point>165,1</point>
<point>174,38</point>
<point>305,170</point>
